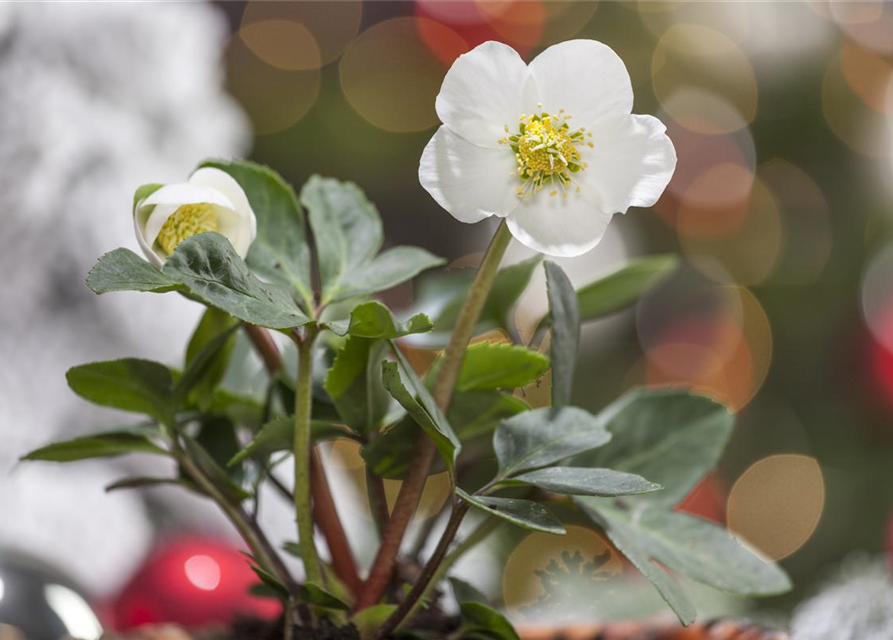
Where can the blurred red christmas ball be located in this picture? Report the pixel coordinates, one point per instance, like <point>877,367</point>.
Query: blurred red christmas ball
<point>192,581</point>
<point>707,500</point>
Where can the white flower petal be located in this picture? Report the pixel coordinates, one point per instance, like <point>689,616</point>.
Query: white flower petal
<point>224,183</point>
<point>232,225</point>
<point>147,249</point>
<point>185,193</point>
<point>583,77</point>
<point>469,181</point>
<point>485,89</point>
<point>630,164</point>
<point>154,220</point>
<point>557,226</point>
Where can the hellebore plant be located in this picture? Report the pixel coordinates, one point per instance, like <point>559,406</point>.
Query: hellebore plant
<point>236,239</point>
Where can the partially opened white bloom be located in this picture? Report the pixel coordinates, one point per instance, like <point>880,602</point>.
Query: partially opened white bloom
<point>552,146</point>
<point>211,200</point>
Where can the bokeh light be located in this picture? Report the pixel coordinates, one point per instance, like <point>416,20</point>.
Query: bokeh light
<point>332,25</point>
<point>777,503</point>
<point>521,583</point>
<point>390,57</point>
<point>877,296</point>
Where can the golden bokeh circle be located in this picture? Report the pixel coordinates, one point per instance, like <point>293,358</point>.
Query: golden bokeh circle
<point>693,55</point>
<point>520,584</point>
<point>388,59</point>
<point>275,99</point>
<point>333,25</point>
<point>776,505</point>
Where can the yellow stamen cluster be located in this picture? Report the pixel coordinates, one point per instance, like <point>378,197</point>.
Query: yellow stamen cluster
<point>187,221</point>
<point>546,149</point>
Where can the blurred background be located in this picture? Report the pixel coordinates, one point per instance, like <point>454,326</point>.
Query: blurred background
<point>781,209</point>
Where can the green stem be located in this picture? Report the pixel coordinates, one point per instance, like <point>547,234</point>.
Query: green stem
<point>488,526</point>
<point>303,503</point>
<point>414,480</point>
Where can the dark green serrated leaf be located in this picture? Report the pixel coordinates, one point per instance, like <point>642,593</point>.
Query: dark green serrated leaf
<point>271,582</point>
<point>524,513</point>
<point>346,229</point>
<point>312,594</point>
<point>543,437</point>
<point>565,315</point>
<point>129,384</point>
<point>100,445</point>
<point>481,620</point>
<point>670,436</point>
<point>217,436</point>
<point>214,273</point>
<point>280,254</point>
<point>123,270</point>
<point>386,271</point>
<point>354,383</point>
<point>586,481</point>
<point>278,435</point>
<point>388,454</point>
<point>667,586</point>
<point>374,320</point>
<point>424,410</point>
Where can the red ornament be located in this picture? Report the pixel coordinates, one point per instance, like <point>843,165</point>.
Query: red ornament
<point>193,582</point>
<point>707,500</point>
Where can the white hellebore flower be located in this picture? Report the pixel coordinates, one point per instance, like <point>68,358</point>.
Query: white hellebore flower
<point>552,146</point>
<point>211,200</point>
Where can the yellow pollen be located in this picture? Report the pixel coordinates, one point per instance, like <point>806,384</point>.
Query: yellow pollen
<point>187,221</point>
<point>546,151</point>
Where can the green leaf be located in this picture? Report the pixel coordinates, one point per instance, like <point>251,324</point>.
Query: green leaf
<point>217,436</point>
<point>354,384</point>
<point>565,315</point>
<point>100,445</point>
<point>625,541</point>
<point>696,548</point>
<point>215,473</point>
<point>278,435</point>
<point>478,412</point>
<point>130,384</point>
<point>368,620</point>
<point>374,320</point>
<point>585,481</point>
<point>207,357</point>
<point>424,410</point>
<point>388,454</point>
<point>670,436</point>
<point>208,265</point>
<point>524,513</point>
<point>543,437</point>
<point>346,229</point>
<point>123,270</point>
<point>480,619</point>
<point>497,365</point>
<point>623,287</point>
<point>280,254</point>
<point>386,271</point>
<point>466,592</point>
<point>313,594</point>
<point>441,295</point>
<point>140,482</point>
<point>271,582</point>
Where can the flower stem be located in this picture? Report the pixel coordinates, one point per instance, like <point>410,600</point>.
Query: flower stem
<point>477,536</point>
<point>303,504</point>
<point>414,481</point>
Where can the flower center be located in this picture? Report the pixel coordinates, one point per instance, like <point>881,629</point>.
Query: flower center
<point>546,148</point>
<point>186,222</point>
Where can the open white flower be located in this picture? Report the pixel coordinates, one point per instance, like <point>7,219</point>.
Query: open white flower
<point>553,146</point>
<point>211,200</point>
